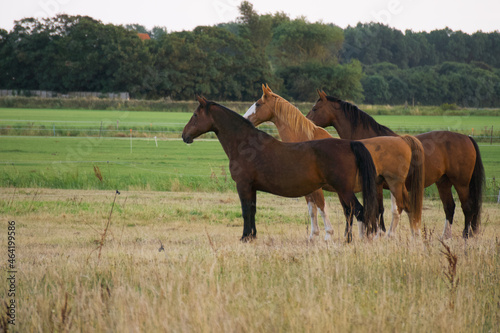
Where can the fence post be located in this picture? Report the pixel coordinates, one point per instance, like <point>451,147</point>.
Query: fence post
<point>491,140</point>
<point>54,129</point>
<point>100,130</point>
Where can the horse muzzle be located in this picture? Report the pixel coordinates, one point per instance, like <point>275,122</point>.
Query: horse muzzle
<point>187,138</point>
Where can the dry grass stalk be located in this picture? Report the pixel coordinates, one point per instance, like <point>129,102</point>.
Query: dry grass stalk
<point>65,322</point>
<point>97,173</point>
<point>450,272</point>
<point>212,245</point>
<point>104,233</point>
<point>4,317</point>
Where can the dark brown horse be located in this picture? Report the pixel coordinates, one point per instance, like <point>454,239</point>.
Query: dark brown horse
<point>451,159</point>
<point>258,162</point>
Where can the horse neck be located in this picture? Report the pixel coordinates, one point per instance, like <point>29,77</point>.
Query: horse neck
<point>343,126</point>
<point>292,125</point>
<point>231,130</point>
<point>347,130</point>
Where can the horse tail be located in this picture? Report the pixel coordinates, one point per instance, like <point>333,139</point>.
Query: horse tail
<point>476,189</point>
<point>368,173</point>
<point>416,179</point>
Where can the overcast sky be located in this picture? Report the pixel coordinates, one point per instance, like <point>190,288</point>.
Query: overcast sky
<point>417,15</point>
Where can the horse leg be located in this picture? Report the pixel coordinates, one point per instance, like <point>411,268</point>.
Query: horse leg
<point>319,199</point>
<point>463,194</point>
<point>397,204</point>
<point>359,213</point>
<point>403,202</point>
<point>253,211</point>
<point>248,209</point>
<point>444,188</point>
<point>348,220</point>
<point>353,208</point>
<point>312,208</point>
<point>380,197</point>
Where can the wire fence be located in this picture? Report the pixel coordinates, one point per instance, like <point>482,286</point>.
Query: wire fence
<point>174,129</point>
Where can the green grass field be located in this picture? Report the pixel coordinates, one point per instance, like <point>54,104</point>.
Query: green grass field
<point>37,158</point>
<point>43,122</point>
<point>68,163</point>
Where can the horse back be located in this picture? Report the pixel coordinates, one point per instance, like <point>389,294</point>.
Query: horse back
<point>448,153</point>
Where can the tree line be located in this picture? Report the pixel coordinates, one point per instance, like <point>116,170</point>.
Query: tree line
<point>369,62</point>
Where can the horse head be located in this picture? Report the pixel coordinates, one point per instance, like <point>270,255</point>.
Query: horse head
<point>323,113</point>
<point>201,121</point>
<point>262,110</point>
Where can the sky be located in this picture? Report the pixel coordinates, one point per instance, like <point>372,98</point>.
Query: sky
<point>176,15</point>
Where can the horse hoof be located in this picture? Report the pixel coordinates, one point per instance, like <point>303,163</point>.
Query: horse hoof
<point>247,239</point>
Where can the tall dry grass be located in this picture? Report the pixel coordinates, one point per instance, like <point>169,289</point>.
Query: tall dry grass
<point>205,280</point>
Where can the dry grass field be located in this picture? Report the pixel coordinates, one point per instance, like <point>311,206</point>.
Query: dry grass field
<point>74,272</point>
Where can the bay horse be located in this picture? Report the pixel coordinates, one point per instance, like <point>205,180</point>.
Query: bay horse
<point>451,159</point>
<point>259,162</point>
<point>394,158</point>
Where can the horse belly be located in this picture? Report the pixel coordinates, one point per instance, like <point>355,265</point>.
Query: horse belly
<point>288,184</point>
<point>289,174</point>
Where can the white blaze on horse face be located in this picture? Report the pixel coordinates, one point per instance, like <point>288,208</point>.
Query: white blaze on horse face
<point>250,111</point>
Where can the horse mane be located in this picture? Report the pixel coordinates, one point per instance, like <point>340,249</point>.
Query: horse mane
<point>231,113</point>
<point>289,114</point>
<point>359,117</point>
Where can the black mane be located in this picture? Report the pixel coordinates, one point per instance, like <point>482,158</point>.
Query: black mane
<point>230,112</point>
<point>359,117</point>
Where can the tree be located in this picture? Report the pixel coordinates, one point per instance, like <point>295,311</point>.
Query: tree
<point>256,28</point>
<point>211,61</point>
<point>376,89</point>
<point>298,41</point>
<point>342,81</point>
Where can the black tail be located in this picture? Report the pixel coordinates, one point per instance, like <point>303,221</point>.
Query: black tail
<point>476,190</point>
<point>368,173</point>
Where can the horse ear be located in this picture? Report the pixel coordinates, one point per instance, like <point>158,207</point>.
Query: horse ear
<point>268,89</point>
<point>203,101</point>
<point>322,95</point>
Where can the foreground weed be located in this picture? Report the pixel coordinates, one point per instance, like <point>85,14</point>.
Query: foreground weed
<point>450,272</point>
<point>97,173</point>
<point>4,317</point>
<point>104,233</point>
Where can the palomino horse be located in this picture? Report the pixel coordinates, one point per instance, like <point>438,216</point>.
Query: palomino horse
<point>259,162</point>
<point>392,156</point>
<point>451,159</point>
